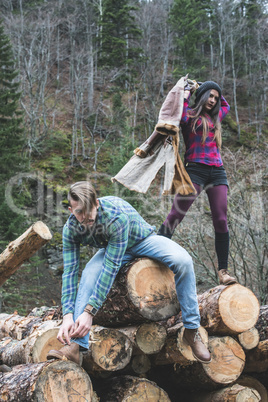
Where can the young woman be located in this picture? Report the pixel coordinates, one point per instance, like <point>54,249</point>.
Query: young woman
<point>201,131</point>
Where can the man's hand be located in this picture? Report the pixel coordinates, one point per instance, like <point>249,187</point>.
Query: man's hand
<point>82,325</point>
<point>65,329</point>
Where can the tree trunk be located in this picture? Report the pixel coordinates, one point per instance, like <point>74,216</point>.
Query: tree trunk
<point>228,310</point>
<point>249,339</point>
<point>110,350</point>
<point>257,358</point>
<point>46,382</point>
<point>32,349</point>
<point>252,382</point>
<point>16,326</point>
<point>21,249</point>
<point>126,388</point>
<point>144,290</point>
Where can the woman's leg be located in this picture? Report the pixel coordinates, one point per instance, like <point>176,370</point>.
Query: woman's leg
<point>179,208</point>
<point>217,196</point>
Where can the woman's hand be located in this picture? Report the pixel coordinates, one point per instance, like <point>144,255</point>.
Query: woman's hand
<point>65,329</point>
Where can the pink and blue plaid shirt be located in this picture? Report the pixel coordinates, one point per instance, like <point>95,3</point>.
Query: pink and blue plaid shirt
<point>207,153</point>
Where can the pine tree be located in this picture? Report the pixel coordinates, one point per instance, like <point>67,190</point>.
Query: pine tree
<point>119,35</point>
<point>190,23</point>
<point>11,138</point>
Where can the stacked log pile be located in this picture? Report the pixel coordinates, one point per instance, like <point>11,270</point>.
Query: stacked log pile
<point>136,349</point>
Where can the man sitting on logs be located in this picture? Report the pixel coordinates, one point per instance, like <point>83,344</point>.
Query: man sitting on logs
<point>114,226</point>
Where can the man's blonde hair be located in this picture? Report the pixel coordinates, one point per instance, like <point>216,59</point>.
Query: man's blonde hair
<point>83,192</point>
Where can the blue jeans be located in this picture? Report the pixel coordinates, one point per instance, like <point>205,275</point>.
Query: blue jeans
<point>158,248</point>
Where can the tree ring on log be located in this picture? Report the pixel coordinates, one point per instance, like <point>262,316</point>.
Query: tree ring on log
<point>239,311</point>
<point>228,360</point>
<point>63,381</point>
<point>152,284</point>
<point>111,350</point>
<point>44,343</point>
<point>150,337</point>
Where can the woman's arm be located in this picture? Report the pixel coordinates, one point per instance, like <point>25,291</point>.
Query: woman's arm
<point>225,107</point>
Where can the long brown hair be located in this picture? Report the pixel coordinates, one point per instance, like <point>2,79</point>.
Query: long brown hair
<point>198,111</point>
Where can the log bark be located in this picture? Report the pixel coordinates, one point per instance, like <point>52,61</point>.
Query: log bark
<point>257,358</point>
<point>228,310</point>
<point>144,290</point>
<point>21,249</point>
<point>46,382</point>
<point>130,388</point>
<point>16,326</point>
<point>251,382</point>
<point>32,349</point>
<point>110,350</point>
<point>234,393</point>
<point>262,323</point>
<point>249,339</point>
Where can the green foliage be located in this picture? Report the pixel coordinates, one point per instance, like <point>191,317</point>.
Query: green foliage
<point>11,138</point>
<point>119,34</point>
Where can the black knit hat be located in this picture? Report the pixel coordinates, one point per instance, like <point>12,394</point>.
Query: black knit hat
<point>205,87</point>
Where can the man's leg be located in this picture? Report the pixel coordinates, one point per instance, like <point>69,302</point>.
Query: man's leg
<point>180,262</point>
<point>86,287</point>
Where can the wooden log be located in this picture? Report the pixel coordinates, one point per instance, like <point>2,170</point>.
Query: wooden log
<point>226,366</point>
<point>148,338</point>
<point>144,290</point>
<point>16,326</point>
<point>140,364</point>
<point>21,249</point>
<point>176,349</point>
<point>257,358</point>
<point>130,388</point>
<point>234,393</point>
<point>251,382</point>
<point>110,350</point>
<point>47,381</point>
<point>249,339</point>
<point>32,349</point>
<point>228,310</point>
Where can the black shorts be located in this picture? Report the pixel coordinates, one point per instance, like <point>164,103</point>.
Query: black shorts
<point>206,175</point>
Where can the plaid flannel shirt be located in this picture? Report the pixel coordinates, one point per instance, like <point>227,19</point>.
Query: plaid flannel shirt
<point>207,153</point>
<point>118,227</point>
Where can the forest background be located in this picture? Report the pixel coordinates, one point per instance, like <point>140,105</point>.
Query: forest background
<point>81,85</point>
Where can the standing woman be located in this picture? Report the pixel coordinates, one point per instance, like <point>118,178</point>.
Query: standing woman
<point>201,129</point>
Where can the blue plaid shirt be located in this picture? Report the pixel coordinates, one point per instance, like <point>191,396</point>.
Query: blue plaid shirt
<point>118,227</point>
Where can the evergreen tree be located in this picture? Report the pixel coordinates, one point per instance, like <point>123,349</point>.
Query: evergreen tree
<point>119,35</point>
<point>11,138</point>
<point>190,22</point>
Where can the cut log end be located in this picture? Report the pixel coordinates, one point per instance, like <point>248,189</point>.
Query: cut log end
<point>239,308</point>
<point>228,360</point>
<point>42,230</point>
<point>151,337</point>
<point>152,289</point>
<point>249,339</point>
